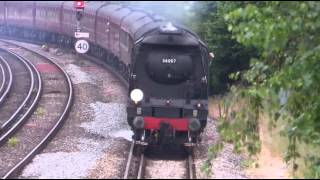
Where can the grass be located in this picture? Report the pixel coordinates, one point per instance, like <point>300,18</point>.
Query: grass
<point>278,145</point>
<point>271,138</point>
<point>13,142</point>
<point>248,162</point>
<point>41,112</point>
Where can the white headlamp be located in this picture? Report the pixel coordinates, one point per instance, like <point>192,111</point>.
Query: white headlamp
<point>136,95</point>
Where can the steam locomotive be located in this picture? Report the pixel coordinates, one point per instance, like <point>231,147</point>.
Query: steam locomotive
<point>165,64</point>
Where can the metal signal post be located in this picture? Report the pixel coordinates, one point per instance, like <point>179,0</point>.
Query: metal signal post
<point>81,45</point>
<point>79,5</point>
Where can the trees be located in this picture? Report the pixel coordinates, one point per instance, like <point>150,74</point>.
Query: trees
<point>230,56</point>
<point>282,39</point>
<point>286,75</point>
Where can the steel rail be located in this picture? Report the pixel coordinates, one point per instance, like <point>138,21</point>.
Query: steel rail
<point>5,92</point>
<point>3,82</point>
<point>13,123</point>
<point>57,126</point>
<point>190,167</point>
<point>129,161</point>
<point>141,167</point>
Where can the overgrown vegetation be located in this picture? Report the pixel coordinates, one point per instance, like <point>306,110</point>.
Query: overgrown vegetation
<point>230,56</point>
<point>282,78</point>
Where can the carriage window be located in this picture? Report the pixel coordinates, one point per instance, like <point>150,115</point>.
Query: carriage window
<point>12,13</point>
<point>53,16</point>
<point>40,14</point>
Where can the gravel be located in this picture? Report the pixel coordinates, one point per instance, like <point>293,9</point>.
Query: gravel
<point>77,75</point>
<point>125,134</point>
<point>92,145</point>
<point>61,165</point>
<point>228,165</point>
<point>108,119</point>
<point>165,169</point>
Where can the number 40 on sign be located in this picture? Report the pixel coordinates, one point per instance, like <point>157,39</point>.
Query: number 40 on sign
<point>82,46</point>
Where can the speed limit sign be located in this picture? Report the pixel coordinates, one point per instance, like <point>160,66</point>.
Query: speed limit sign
<point>82,46</point>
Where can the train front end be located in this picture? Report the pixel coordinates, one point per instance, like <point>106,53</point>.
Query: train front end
<point>168,87</point>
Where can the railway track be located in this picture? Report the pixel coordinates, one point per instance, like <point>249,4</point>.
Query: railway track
<point>26,107</point>
<point>39,119</point>
<point>136,167</point>
<point>6,79</point>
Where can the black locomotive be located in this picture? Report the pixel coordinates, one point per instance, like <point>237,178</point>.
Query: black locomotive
<point>168,86</point>
<point>165,64</point>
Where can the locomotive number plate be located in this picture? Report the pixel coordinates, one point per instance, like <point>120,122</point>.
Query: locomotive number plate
<point>82,46</point>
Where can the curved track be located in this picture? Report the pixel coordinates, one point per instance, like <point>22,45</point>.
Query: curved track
<point>6,83</point>
<point>52,126</point>
<point>29,103</point>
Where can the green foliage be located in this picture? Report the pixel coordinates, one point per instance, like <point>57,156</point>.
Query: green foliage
<point>212,154</point>
<point>41,112</point>
<point>230,56</point>
<point>239,125</point>
<point>287,37</point>
<point>13,142</point>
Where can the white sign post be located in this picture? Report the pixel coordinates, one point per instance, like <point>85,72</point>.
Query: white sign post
<point>81,35</point>
<point>82,46</point>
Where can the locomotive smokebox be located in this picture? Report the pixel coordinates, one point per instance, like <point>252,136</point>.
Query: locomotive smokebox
<point>138,122</point>
<point>194,124</point>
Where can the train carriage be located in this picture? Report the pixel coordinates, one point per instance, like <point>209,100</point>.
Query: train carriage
<point>20,16</point>
<point>104,25</point>
<point>116,18</point>
<point>68,18</point>
<point>127,32</point>
<point>48,16</point>
<point>166,64</point>
<point>2,12</point>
